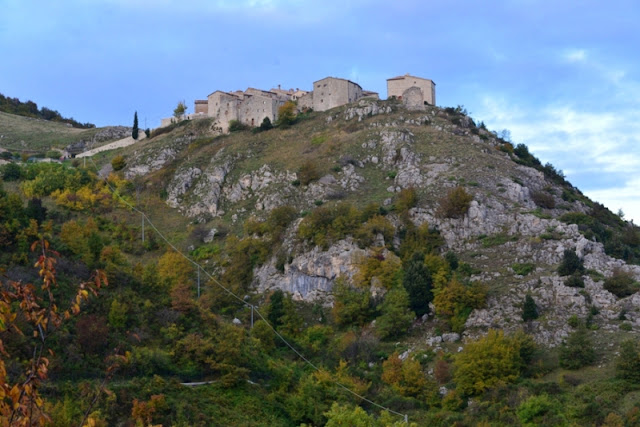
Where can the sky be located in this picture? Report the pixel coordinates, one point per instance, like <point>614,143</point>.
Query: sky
<point>562,76</point>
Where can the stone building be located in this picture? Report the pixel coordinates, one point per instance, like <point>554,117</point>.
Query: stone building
<point>250,107</point>
<point>332,92</point>
<point>396,87</point>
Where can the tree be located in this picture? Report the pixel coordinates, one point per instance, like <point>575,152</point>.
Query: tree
<point>286,115</point>
<point>490,361</point>
<point>179,111</point>
<point>571,263</point>
<point>31,313</point>
<point>578,350</point>
<point>396,316</point>
<point>628,362</point>
<point>417,281</point>
<point>266,124</point>
<point>134,132</point>
<point>529,309</point>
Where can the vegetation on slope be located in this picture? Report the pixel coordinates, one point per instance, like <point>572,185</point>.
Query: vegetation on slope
<point>150,321</point>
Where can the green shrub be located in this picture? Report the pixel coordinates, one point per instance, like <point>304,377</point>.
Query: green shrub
<point>621,283</point>
<point>543,199</point>
<point>628,362</point>
<point>574,281</point>
<point>11,172</point>
<point>455,204</point>
<point>540,410</point>
<point>236,126</point>
<point>523,269</point>
<point>577,351</point>
<point>571,263</point>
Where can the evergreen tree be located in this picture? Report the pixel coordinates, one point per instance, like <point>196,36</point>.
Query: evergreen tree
<point>578,350</point>
<point>396,316</point>
<point>417,281</point>
<point>628,363</point>
<point>571,263</point>
<point>529,310</point>
<point>276,308</point>
<point>134,133</point>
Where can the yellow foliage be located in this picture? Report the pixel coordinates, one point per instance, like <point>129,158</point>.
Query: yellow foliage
<point>406,377</point>
<point>174,268</point>
<point>384,266</point>
<point>84,198</point>
<point>439,269</point>
<point>490,361</point>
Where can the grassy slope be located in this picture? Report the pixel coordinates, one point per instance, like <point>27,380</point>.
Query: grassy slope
<point>33,135</point>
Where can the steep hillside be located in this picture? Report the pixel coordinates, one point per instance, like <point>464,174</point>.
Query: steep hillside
<point>365,258</point>
<point>512,238</point>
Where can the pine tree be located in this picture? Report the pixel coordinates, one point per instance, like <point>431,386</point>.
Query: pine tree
<point>134,133</point>
<point>529,310</point>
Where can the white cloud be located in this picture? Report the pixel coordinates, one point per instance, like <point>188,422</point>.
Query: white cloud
<point>594,147</point>
<point>574,55</point>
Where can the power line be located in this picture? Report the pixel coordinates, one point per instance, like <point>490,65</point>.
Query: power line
<point>242,301</point>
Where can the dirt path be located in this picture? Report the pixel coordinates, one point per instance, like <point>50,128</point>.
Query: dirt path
<point>124,142</point>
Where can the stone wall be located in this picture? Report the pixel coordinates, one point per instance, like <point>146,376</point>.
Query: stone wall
<point>254,109</point>
<point>397,85</point>
<point>332,92</point>
<point>224,107</point>
<point>201,106</point>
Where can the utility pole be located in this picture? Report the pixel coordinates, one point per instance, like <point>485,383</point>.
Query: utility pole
<point>198,282</point>
<point>142,228</point>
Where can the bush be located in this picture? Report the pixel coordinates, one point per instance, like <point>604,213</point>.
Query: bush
<point>523,269</point>
<point>543,199</point>
<point>417,281</point>
<point>118,163</point>
<point>396,316</point>
<point>621,283</point>
<point>308,172</point>
<point>574,281</point>
<point>11,172</point>
<point>455,204</point>
<point>236,126</point>
<point>571,263</point>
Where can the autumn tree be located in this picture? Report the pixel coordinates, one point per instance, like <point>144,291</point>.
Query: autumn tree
<point>490,361</point>
<point>33,312</point>
<point>286,115</point>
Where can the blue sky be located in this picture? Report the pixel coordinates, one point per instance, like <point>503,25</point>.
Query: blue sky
<point>562,76</point>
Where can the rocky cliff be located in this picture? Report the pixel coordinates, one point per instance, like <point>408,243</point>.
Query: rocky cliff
<point>369,153</point>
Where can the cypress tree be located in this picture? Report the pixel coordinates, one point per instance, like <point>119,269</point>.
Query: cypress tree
<point>134,133</point>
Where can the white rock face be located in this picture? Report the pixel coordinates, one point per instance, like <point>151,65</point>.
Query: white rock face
<point>311,275</point>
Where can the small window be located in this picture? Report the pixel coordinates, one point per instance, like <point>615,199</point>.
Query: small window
<point>321,101</point>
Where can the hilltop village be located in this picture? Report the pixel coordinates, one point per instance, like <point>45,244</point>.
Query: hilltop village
<point>251,106</point>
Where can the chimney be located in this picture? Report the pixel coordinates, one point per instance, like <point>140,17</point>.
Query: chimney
<point>278,87</point>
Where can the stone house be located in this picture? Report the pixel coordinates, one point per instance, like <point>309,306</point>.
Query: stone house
<point>332,92</point>
<point>396,87</point>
